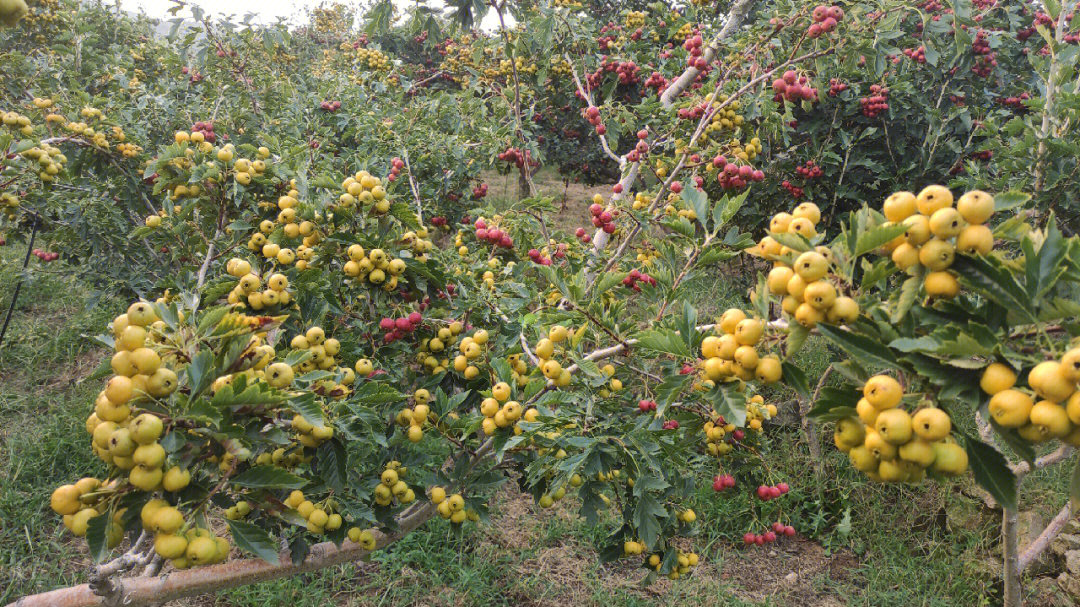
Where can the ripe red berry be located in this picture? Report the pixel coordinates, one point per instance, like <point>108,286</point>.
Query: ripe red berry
<point>749,538</point>
<point>783,487</point>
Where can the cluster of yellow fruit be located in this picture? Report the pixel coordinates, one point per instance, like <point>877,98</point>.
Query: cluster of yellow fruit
<point>247,290</point>
<point>391,486</point>
<point>686,561</point>
<point>642,200</point>
<point>733,352</point>
<point>279,457</point>
<point>419,241</point>
<point>545,352</point>
<point>758,411</point>
<point>501,412</point>
<point>238,510</point>
<point>365,189</point>
<point>374,266</point>
<point>11,11</point>
<point>76,503</point>
<point>174,540</point>
<point>804,285</point>
<point>728,119</point>
<point>415,418</point>
<point>318,519</point>
<point>936,231</point>
<point>17,122</point>
<point>677,207</point>
<point>245,169</point>
<point>9,202</point>
<point>451,507</point>
<point>128,150</point>
<point>364,537</point>
<point>49,158</point>
<point>369,59</point>
<point>714,436</point>
<point>506,68</point>
<point>891,445</point>
<point>684,31</point>
<point>1056,415</point>
<point>634,20</point>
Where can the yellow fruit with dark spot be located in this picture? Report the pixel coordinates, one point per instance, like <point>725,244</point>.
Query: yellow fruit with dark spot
<point>894,425</point>
<point>937,254</point>
<point>918,230</point>
<point>931,423</point>
<point>1052,417</point>
<point>1049,381</point>
<point>976,206</point>
<point>769,370</point>
<point>843,310</point>
<point>863,459</point>
<point>811,266</point>
<point>1011,408</point>
<point>881,448</point>
<point>201,550</point>
<point>899,206</point>
<point>820,294</point>
<point>933,198</point>
<point>883,392</point>
<point>808,316</point>
<point>946,223</point>
<point>975,240</point>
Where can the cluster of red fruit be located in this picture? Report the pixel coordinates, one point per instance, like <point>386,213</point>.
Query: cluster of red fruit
<point>656,81</point>
<point>517,157</point>
<point>627,71</point>
<point>917,55</point>
<point>592,114</point>
<point>693,113</point>
<point>795,191</point>
<point>723,481</point>
<point>930,6</point>
<point>493,235</point>
<point>645,405</point>
<point>45,256</point>
<point>732,176</point>
<point>766,492</point>
<point>876,103</point>
<point>826,18</point>
<point>810,170</point>
<point>396,164</point>
<point>1042,19</point>
<point>1016,102</point>
<point>438,221</point>
<point>193,75</point>
<point>640,149</point>
<point>693,45</point>
<point>207,130</point>
<point>836,87</point>
<point>636,276</point>
<point>583,236</point>
<point>539,258</point>
<point>398,328</point>
<point>330,106</point>
<point>987,59</point>
<point>605,220</point>
<point>778,529</point>
<point>480,191</point>
<point>792,87</point>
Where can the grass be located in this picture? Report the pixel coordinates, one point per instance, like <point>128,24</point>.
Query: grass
<point>865,544</point>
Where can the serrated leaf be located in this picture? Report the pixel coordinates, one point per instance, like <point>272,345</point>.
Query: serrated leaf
<point>1006,201</point>
<point>863,349</point>
<point>308,407</point>
<point>253,540</point>
<point>726,208</point>
<point>268,477</point>
<point>667,392</point>
<point>875,238</point>
<point>792,241</point>
<point>796,380</point>
<point>991,471</point>
<point>994,282</point>
<point>97,537</point>
<point>664,341</point>
<point>730,403</point>
<point>796,339</point>
<point>332,464</point>
<point>609,280</point>
<point>908,292</point>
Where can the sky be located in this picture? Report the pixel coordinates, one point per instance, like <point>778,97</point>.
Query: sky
<point>265,11</point>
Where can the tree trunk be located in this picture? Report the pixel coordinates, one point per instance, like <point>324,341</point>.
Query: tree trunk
<point>1011,596</point>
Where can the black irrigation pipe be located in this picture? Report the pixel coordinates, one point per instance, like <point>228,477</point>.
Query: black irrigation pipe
<point>18,286</point>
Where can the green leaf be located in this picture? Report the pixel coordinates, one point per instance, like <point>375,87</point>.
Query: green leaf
<point>1006,201</point>
<point>796,379</point>
<point>729,403</point>
<point>253,540</point>
<point>792,241</point>
<point>307,406</point>
<point>908,292</point>
<point>268,477</point>
<point>698,201</point>
<point>664,341</point>
<point>991,471</point>
<point>993,281</point>
<point>1044,269</point>
<point>796,338</point>
<point>647,519</point>
<point>726,208</point>
<point>875,238</point>
<point>667,392</point>
<point>866,351</point>
<point>198,372</point>
<point>609,280</point>
<point>97,537</point>
<point>332,464</point>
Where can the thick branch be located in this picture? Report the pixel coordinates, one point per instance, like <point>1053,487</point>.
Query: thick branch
<point>738,12</point>
<point>1041,543</point>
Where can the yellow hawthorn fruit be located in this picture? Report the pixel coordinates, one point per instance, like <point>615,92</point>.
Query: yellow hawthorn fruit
<point>769,369</point>
<point>1072,408</point>
<point>946,223</point>
<point>807,210</point>
<point>455,503</point>
<point>726,346</point>
<point>789,304</point>
<point>364,367</point>
<point>557,334</point>
<point>931,423</point>
<point>501,391</point>
<point>1052,418</point>
<point>1034,433</point>
<point>416,434</point>
<point>730,319</point>
<point>949,458</point>
<point>715,369</point>
<point>891,471</point>
<point>65,499</point>
<point>796,287</point>
<point>279,375</point>
<point>488,426</point>
<point>820,294</point>
<point>748,331</point>
<point>147,479</point>
<point>899,206</point>
<point>1011,408</point>
<point>976,206</point>
<point>975,239</point>
<point>778,279</point>
<point>905,255</point>
<point>709,346</point>
<point>878,446</point>
<point>438,494</point>
<point>933,198</point>
<point>1048,380</point>
<point>849,433</point>
<point>918,230</point>
<point>811,266</point>
<point>808,316</point>
<point>1070,365</point>
<point>867,413</point>
<point>883,392</point>
<point>747,357</point>
<point>942,284</point>
<point>167,519</point>
<point>780,223</point>
<point>843,310</point>
<point>149,456</point>
<point>551,369</point>
<point>688,516</point>
<point>170,546</point>
<point>894,425</point>
<point>997,377</point>
<point>936,254</point>
<point>863,459</point>
<point>803,227</point>
<point>201,550</point>
<point>81,520</point>
<point>545,348</point>
<point>918,451</point>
